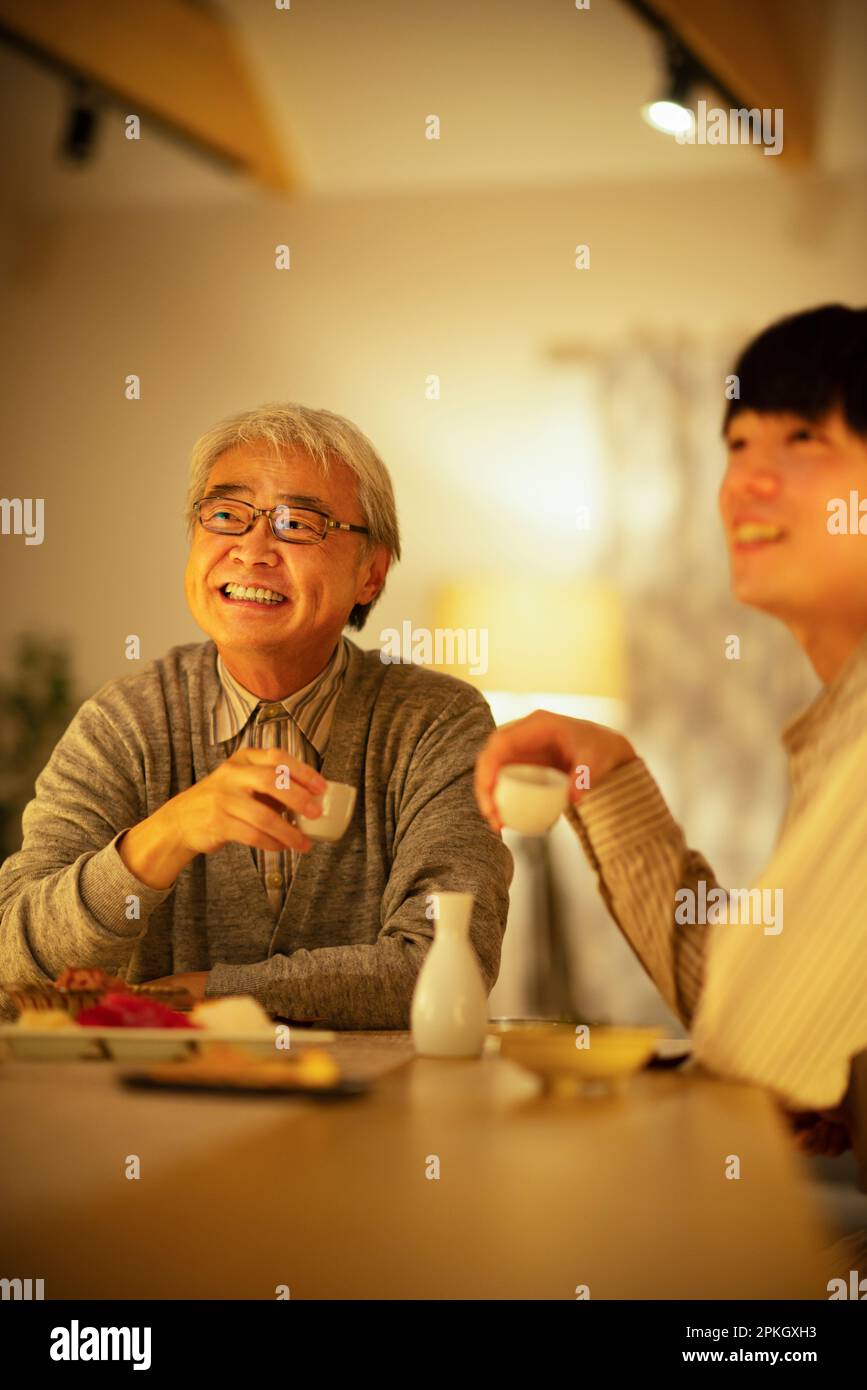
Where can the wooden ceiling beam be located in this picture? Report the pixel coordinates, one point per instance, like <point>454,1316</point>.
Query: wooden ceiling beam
<point>168,59</point>
<point>766,53</point>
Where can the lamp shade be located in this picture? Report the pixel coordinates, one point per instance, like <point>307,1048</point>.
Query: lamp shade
<point>543,636</point>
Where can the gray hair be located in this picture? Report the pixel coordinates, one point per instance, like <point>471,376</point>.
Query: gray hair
<point>326,438</point>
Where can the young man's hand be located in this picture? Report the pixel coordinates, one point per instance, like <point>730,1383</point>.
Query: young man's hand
<point>825,1133</point>
<point>551,740</point>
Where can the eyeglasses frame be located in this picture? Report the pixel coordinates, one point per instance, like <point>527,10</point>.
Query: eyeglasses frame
<point>330,525</point>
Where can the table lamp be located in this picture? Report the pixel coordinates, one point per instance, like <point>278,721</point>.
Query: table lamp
<point>550,644</point>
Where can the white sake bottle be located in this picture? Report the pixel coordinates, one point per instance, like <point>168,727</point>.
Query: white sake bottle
<point>449,1015</point>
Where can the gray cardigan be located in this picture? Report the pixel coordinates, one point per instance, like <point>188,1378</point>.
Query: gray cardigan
<point>353,931</point>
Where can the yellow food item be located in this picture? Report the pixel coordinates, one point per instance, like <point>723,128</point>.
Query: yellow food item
<point>45,1018</point>
<point>309,1066</point>
<point>317,1067</point>
<point>233,1014</point>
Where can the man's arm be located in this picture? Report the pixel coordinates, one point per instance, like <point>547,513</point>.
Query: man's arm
<point>641,860</point>
<point>789,1011</point>
<point>64,896</point>
<point>635,847</point>
<point>441,844</point>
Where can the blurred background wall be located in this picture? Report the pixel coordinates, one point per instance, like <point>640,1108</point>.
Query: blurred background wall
<point>559,389</point>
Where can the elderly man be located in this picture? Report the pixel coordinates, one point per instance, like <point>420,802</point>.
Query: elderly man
<point>160,842</point>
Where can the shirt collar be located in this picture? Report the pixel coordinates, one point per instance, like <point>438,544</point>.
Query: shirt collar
<point>236,705</point>
<point>847,691</point>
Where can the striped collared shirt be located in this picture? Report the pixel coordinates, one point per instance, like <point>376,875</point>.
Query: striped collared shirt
<point>238,714</point>
<point>782,1003</point>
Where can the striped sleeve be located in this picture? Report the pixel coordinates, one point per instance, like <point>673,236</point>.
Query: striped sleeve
<point>641,859</point>
<point>789,1011</point>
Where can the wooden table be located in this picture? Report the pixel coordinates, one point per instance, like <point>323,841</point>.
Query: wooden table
<point>626,1194</point>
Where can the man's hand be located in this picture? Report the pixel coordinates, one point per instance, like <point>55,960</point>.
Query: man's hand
<point>194,981</point>
<point>551,740</point>
<point>821,1132</point>
<point>243,800</point>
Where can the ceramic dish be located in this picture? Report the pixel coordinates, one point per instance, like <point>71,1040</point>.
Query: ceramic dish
<point>497,1026</point>
<point>240,1084</point>
<point>135,1044</point>
<point>566,1069</point>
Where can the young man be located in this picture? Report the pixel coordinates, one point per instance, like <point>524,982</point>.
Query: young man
<point>785,1008</point>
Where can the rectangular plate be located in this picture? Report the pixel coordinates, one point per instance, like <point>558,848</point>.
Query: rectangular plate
<point>138,1044</point>
<point>239,1086</point>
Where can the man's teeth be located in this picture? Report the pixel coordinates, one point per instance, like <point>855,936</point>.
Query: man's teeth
<point>757,531</point>
<point>258,595</point>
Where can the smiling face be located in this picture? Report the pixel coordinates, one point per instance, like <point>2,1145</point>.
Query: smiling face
<point>275,648</point>
<point>782,472</point>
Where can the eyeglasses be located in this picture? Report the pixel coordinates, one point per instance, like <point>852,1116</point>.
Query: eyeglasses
<point>227,516</point>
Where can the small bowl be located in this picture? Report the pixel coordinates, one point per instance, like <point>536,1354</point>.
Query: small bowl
<point>498,1026</point>
<point>550,1052</point>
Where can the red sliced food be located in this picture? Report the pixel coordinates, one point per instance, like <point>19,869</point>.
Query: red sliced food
<point>87,979</point>
<point>132,1011</point>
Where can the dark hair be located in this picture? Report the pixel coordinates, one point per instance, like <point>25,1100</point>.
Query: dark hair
<point>807,364</point>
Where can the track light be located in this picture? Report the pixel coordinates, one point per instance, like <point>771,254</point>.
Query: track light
<point>670,112</point>
<point>82,123</point>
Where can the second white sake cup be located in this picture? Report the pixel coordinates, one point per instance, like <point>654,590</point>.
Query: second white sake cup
<point>338,803</point>
<point>530,798</point>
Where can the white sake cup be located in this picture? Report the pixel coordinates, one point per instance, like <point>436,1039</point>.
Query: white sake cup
<point>530,798</point>
<point>338,803</point>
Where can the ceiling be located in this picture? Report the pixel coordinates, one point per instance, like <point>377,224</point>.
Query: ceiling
<point>528,94</point>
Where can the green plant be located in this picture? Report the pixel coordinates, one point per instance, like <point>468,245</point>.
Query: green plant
<point>36,705</point>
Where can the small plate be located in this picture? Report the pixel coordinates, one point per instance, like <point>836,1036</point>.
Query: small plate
<point>239,1085</point>
<point>138,1044</point>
